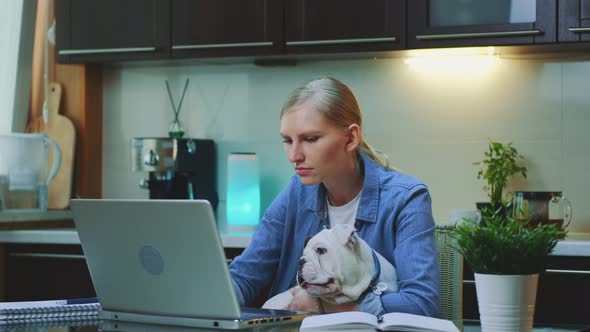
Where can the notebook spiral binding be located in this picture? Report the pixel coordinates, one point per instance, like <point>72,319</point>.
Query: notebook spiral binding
<point>54,322</point>
<point>50,313</point>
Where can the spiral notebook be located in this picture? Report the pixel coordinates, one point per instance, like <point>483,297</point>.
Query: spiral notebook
<point>51,310</point>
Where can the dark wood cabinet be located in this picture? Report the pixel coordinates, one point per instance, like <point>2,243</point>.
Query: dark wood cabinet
<point>112,30</point>
<point>226,27</point>
<point>562,292</point>
<point>451,23</point>
<point>574,21</point>
<point>344,25</point>
<point>121,30</point>
<point>45,272</point>
<point>32,272</point>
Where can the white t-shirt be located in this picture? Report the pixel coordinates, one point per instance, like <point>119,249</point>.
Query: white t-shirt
<point>345,214</point>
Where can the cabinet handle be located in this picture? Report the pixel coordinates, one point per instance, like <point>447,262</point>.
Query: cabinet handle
<point>479,34</point>
<point>567,271</point>
<point>341,41</point>
<point>37,255</point>
<point>107,50</point>
<point>202,46</point>
<point>469,281</point>
<point>579,30</point>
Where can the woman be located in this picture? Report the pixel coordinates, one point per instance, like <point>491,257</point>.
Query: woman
<point>340,179</point>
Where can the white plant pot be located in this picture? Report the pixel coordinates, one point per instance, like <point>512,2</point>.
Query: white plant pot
<point>506,302</point>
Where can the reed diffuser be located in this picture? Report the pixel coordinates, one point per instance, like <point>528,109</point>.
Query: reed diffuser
<point>176,129</point>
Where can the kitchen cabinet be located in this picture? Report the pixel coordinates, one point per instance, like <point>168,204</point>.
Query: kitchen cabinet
<point>574,21</point>
<point>51,271</point>
<point>112,30</point>
<point>226,27</point>
<point>562,293</point>
<point>344,25</point>
<point>45,272</point>
<point>121,30</point>
<point>451,23</point>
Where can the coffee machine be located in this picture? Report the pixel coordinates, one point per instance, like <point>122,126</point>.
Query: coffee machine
<point>179,168</point>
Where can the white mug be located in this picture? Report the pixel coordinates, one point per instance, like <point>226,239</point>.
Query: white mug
<point>459,216</point>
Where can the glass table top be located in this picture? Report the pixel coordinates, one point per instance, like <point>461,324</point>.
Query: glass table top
<point>118,326</point>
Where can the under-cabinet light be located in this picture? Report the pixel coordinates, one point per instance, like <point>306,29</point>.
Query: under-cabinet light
<point>453,60</point>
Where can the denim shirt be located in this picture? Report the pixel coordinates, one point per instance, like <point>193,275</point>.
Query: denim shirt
<point>394,217</point>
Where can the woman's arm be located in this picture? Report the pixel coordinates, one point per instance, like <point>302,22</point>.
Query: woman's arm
<point>255,268</point>
<point>415,259</point>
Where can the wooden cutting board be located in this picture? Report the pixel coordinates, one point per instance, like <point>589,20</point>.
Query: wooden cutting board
<point>60,129</point>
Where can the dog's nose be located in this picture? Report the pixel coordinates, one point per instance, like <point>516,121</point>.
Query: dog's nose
<point>301,261</point>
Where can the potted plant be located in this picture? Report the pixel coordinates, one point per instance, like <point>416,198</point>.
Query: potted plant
<point>500,162</point>
<point>506,254</point>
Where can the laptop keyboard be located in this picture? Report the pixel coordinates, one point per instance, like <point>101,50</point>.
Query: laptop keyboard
<point>256,313</point>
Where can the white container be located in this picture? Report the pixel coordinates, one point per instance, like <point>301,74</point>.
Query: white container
<point>243,192</point>
<point>25,170</point>
<point>506,302</point>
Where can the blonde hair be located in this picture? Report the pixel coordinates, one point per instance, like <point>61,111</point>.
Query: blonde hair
<point>334,100</point>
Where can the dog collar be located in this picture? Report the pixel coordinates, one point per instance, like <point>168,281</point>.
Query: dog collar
<point>377,269</point>
<point>377,287</point>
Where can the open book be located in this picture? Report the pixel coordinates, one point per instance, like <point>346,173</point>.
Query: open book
<point>362,321</point>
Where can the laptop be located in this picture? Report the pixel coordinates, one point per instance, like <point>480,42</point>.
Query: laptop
<point>162,262</point>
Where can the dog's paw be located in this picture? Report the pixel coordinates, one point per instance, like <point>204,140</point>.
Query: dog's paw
<point>279,301</point>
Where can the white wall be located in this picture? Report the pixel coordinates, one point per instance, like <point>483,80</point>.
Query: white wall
<point>17,25</point>
<point>432,124</point>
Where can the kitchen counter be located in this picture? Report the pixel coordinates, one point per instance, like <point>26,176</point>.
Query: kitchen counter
<point>12,220</point>
<point>70,236</point>
<point>21,226</point>
<point>16,216</point>
<point>575,244</point>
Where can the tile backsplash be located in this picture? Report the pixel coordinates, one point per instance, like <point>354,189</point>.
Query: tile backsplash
<point>432,124</point>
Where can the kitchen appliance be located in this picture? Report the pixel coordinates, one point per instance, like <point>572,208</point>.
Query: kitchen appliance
<point>543,207</point>
<point>179,168</point>
<point>26,169</point>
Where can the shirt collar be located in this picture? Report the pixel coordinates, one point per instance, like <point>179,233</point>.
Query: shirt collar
<point>369,201</point>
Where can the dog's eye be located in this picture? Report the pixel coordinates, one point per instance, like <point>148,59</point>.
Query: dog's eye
<point>321,251</point>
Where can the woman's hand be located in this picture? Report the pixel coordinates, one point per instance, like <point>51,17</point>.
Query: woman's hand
<point>304,302</point>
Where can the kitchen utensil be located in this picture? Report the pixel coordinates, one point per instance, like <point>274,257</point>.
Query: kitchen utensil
<point>25,170</point>
<point>38,124</point>
<point>178,168</point>
<point>458,216</point>
<point>543,207</point>
<point>61,130</point>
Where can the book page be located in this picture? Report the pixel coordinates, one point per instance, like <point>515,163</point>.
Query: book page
<point>407,322</point>
<point>340,320</point>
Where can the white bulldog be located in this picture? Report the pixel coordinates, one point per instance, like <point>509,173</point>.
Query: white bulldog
<point>338,266</point>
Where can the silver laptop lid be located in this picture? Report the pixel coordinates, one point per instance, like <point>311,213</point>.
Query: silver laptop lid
<point>159,257</point>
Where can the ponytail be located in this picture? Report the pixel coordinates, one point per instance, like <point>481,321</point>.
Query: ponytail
<point>375,155</point>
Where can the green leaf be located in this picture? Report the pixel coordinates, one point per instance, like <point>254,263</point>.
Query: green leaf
<point>500,163</point>
<point>500,244</point>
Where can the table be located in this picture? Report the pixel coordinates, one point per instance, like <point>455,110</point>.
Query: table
<point>103,325</point>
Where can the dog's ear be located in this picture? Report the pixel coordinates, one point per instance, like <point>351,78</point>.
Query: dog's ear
<point>353,241</point>
<point>347,235</point>
<point>306,240</point>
